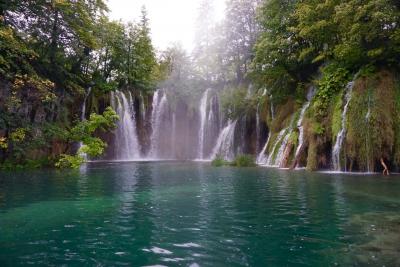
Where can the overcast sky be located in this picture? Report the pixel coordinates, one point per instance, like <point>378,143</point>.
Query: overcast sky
<point>170,20</point>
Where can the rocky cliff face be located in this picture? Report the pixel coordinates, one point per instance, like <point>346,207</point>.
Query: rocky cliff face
<point>360,128</point>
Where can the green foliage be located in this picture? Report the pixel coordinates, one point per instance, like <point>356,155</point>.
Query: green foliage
<point>312,158</point>
<point>318,129</point>
<point>18,135</point>
<point>219,162</point>
<point>235,102</point>
<point>334,79</point>
<point>244,161</point>
<point>337,116</point>
<point>3,143</point>
<point>84,132</point>
<point>371,120</point>
<point>68,161</point>
<point>239,161</point>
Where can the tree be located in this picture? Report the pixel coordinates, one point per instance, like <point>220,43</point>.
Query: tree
<point>241,32</point>
<point>203,55</point>
<point>140,55</point>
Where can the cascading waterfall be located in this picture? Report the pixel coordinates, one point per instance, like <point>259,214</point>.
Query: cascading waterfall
<point>212,128</point>
<point>277,157</point>
<point>301,129</point>
<point>300,145</point>
<point>271,160</point>
<point>160,103</point>
<point>83,118</point>
<point>126,140</point>
<point>203,121</point>
<point>225,143</point>
<point>258,128</point>
<point>337,148</point>
<point>280,155</point>
<point>262,156</point>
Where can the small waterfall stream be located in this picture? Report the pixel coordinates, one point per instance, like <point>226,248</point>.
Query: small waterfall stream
<point>203,122</point>
<point>262,156</point>
<point>173,136</point>
<point>126,140</point>
<point>310,95</point>
<point>337,148</point>
<point>142,108</point>
<point>83,118</point>
<point>258,129</point>
<point>367,140</point>
<point>225,143</point>
<point>160,103</point>
<point>279,139</point>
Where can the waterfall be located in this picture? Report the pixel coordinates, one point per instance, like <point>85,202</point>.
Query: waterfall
<point>367,140</point>
<point>160,104</point>
<point>272,108</point>
<point>277,156</point>
<point>300,145</point>
<point>83,118</point>
<point>258,128</point>
<point>342,134</point>
<point>142,108</point>
<point>301,129</point>
<point>126,140</point>
<point>173,136</point>
<point>203,121</point>
<point>262,157</point>
<point>225,142</point>
<point>271,159</point>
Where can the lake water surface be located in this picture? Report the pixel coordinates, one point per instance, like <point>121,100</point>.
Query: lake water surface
<point>192,214</point>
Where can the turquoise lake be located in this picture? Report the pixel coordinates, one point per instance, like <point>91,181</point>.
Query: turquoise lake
<point>192,214</point>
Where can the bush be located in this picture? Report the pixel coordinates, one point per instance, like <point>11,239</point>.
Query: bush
<point>68,161</point>
<point>244,161</point>
<point>219,162</point>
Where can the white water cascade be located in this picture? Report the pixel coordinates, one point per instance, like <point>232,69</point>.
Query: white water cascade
<point>271,161</point>
<point>300,145</point>
<point>203,122</point>
<point>258,128</point>
<point>276,157</point>
<point>83,118</point>
<point>225,143</point>
<point>126,140</point>
<point>160,103</point>
<point>262,156</point>
<point>337,148</point>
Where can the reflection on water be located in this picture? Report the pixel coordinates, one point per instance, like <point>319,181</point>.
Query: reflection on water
<point>182,214</point>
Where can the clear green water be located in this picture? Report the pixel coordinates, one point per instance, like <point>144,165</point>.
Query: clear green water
<point>191,214</point>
